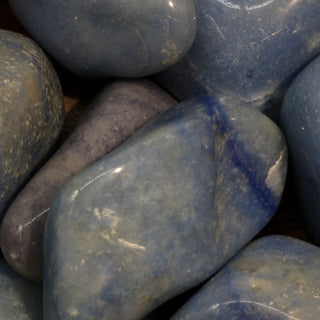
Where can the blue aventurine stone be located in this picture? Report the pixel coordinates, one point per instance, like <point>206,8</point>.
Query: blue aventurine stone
<point>300,121</point>
<point>275,278</point>
<point>31,111</point>
<point>249,49</point>
<point>163,212</point>
<point>20,299</point>
<point>104,38</point>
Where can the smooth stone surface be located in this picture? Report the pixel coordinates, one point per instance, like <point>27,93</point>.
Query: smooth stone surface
<point>106,38</point>
<point>20,299</point>
<point>120,109</point>
<point>299,119</point>
<point>31,111</point>
<point>249,49</point>
<point>163,212</point>
<point>275,278</point>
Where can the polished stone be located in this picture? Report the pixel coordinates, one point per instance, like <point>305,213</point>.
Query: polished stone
<point>20,299</point>
<point>163,212</point>
<point>249,49</point>
<point>107,38</point>
<point>120,109</point>
<point>299,119</point>
<point>31,111</point>
<point>276,278</point>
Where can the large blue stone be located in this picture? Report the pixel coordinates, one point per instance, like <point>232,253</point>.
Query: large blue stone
<point>19,299</point>
<point>276,277</point>
<point>249,49</point>
<point>120,109</point>
<point>106,38</point>
<point>31,111</point>
<point>163,212</point>
<point>300,121</point>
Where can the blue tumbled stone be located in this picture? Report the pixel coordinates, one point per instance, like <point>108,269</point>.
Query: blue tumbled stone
<point>276,277</point>
<point>248,49</point>
<point>163,212</point>
<point>31,111</point>
<point>300,121</point>
<point>107,38</point>
<point>20,299</point>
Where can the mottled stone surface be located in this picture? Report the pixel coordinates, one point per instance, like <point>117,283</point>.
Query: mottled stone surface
<point>299,119</point>
<point>121,108</point>
<point>249,49</point>
<point>163,212</point>
<point>275,278</point>
<point>111,38</point>
<point>31,111</point>
<point>20,299</point>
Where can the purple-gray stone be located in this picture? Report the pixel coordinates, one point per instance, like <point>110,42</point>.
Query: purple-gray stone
<point>119,110</point>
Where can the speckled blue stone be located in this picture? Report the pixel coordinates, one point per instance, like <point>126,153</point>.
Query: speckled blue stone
<point>163,212</point>
<point>31,111</point>
<point>300,121</point>
<point>20,299</point>
<point>276,277</point>
<point>249,49</point>
<point>105,38</point>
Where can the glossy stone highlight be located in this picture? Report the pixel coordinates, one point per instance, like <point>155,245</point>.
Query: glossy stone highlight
<point>299,119</point>
<point>120,110</point>
<point>250,50</point>
<point>275,278</point>
<point>19,299</point>
<point>31,111</point>
<point>107,38</point>
<point>163,212</point>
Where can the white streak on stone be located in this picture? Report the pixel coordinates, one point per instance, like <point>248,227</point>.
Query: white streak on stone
<point>216,306</point>
<point>117,170</point>
<point>131,245</point>
<point>217,27</point>
<point>33,219</point>
<point>274,178</point>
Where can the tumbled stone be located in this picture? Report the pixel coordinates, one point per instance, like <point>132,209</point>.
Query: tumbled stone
<point>31,111</point>
<point>111,38</point>
<point>120,109</point>
<point>276,277</point>
<point>249,49</point>
<point>20,299</point>
<point>162,212</point>
<point>299,119</point>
